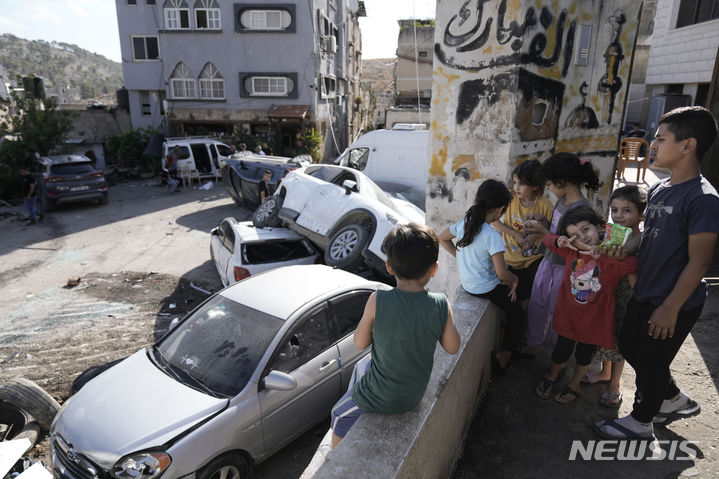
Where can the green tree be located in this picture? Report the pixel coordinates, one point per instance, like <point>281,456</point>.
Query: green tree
<point>36,126</point>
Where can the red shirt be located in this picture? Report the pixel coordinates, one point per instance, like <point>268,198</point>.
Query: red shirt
<point>585,303</point>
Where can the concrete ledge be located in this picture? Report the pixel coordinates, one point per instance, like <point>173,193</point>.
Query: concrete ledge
<point>427,441</point>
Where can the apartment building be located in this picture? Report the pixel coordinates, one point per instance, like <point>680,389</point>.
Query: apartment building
<point>413,73</point>
<point>683,58</point>
<point>260,67</point>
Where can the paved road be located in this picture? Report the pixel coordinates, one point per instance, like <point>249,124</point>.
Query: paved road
<point>137,257</point>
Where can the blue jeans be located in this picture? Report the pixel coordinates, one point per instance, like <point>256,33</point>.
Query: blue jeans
<point>30,207</point>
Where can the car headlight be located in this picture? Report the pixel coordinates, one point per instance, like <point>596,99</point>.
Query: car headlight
<point>392,219</point>
<point>142,465</point>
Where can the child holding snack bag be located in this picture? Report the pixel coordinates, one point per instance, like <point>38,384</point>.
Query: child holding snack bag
<point>627,206</point>
<point>521,251</point>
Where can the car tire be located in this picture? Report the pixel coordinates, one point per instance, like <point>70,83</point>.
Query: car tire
<point>230,466</point>
<point>105,198</point>
<point>267,213</point>
<point>17,424</point>
<point>344,250</point>
<point>31,398</point>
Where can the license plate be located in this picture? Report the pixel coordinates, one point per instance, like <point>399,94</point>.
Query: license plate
<point>79,188</point>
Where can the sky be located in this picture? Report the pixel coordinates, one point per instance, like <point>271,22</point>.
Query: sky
<point>92,24</point>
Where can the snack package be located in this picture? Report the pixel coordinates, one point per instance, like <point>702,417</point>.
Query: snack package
<point>616,235</point>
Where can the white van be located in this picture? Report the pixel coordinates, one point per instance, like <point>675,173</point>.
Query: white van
<point>206,155</point>
<point>399,155</point>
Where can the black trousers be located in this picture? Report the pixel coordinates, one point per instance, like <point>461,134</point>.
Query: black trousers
<point>651,357</point>
<point>526,279</point>
<point>516,317</point>
<point>564,347</point>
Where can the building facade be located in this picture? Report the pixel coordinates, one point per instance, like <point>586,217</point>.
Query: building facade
<point>413,73</point>
<point>682,64</point>
<point>269,68</point>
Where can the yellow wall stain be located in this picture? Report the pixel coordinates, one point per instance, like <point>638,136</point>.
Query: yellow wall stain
<point>590,143</point>
<point>487,50</point>
<point>466,161</point>
<point>587,17</point>
<point>436,168</point>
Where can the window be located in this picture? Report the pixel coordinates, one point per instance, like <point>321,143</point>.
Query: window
<point>211,83</point>
<point>347,311</point>
<point>150,2</point>
<point>697,11</point>
<point>145,105</point>
<point>228,236</point>
<point>263,19</point>
<point>177,14</point>
<point>308,340</point>
<point>182,82</point>
<point>207,14</point>
<point>269,86</point>
<point>275,251</point>
<point>329,87</point>
<point>145,48</point>
<point>132,2</point>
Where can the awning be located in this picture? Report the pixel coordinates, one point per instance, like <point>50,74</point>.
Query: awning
<point>288,111</point>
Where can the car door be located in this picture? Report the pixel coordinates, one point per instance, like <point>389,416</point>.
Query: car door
<point>222,245</point>
<point>345,313</point>
<point>326,204</point>
<point>307,354</point>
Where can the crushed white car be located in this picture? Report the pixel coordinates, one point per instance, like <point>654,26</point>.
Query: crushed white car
<point>240,250</point>
<point>339,209</point>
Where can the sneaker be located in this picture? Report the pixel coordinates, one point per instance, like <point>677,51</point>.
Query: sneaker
<point>30,222</point>
<point>679,407</point>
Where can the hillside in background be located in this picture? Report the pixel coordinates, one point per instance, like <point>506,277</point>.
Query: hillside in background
<point>61,65</point>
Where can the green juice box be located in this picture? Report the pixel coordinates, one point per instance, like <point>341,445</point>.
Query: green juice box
<point>616,235</point>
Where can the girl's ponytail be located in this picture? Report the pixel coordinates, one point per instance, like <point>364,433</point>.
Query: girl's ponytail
<point>563,168</point>
<point>491,194</point>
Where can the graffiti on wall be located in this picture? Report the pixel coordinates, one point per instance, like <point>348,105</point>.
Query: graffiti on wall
<point>610,83</point>
<point>460,37</point>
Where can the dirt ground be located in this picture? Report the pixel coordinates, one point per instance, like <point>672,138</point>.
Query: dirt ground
<point>143,260</point>
<point>515,434</point>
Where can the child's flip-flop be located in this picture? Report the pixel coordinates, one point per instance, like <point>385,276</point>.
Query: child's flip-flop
<point>610,399</point>
<point>592,377</point>
<point>567,396</point>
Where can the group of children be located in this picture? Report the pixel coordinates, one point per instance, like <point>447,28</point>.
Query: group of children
<point>636,301</point>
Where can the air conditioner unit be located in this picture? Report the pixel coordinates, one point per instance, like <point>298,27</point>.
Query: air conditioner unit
<point>331,44</point>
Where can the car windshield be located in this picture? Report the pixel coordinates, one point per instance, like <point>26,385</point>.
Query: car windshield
<point>218,346</point>
<point>67,169</point>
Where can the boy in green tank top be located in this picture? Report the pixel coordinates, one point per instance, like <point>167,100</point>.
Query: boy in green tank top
<point>403,326</point>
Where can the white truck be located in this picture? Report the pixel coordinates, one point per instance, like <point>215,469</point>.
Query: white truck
<point>399,155</point>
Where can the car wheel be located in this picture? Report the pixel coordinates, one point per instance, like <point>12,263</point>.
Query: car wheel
<point>266,213</point>
<point>31,398</point>
<point>231,466</point>
<point>104,199</point>
<point>17,424</point>
<point>345,247</point>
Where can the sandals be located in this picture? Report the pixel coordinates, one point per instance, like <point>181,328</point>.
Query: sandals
<point>610,399</point>
<point>567,396</point>
<point>544,388</point>
<point>497,368</point>
<point>592,377</point>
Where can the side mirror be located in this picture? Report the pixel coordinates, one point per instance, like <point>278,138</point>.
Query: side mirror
<point>214,231</point>
<point>279,381</point>
<point>349,186</point>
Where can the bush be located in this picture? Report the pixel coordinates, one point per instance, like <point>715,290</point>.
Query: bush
<point>127,149</point>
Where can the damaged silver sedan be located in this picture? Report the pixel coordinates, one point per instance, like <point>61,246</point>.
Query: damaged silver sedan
<point>241,376</point>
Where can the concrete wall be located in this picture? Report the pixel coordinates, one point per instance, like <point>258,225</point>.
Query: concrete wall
<point>681,55</point>
<point>427,441</point>
<point>408,72</point>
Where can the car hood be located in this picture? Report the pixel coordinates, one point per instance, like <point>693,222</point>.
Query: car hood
<point>408,210</point>
<point>130,407</point>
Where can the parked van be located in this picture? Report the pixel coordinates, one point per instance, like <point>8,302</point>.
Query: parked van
<point>399,155</point>
<point>206,155</point>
